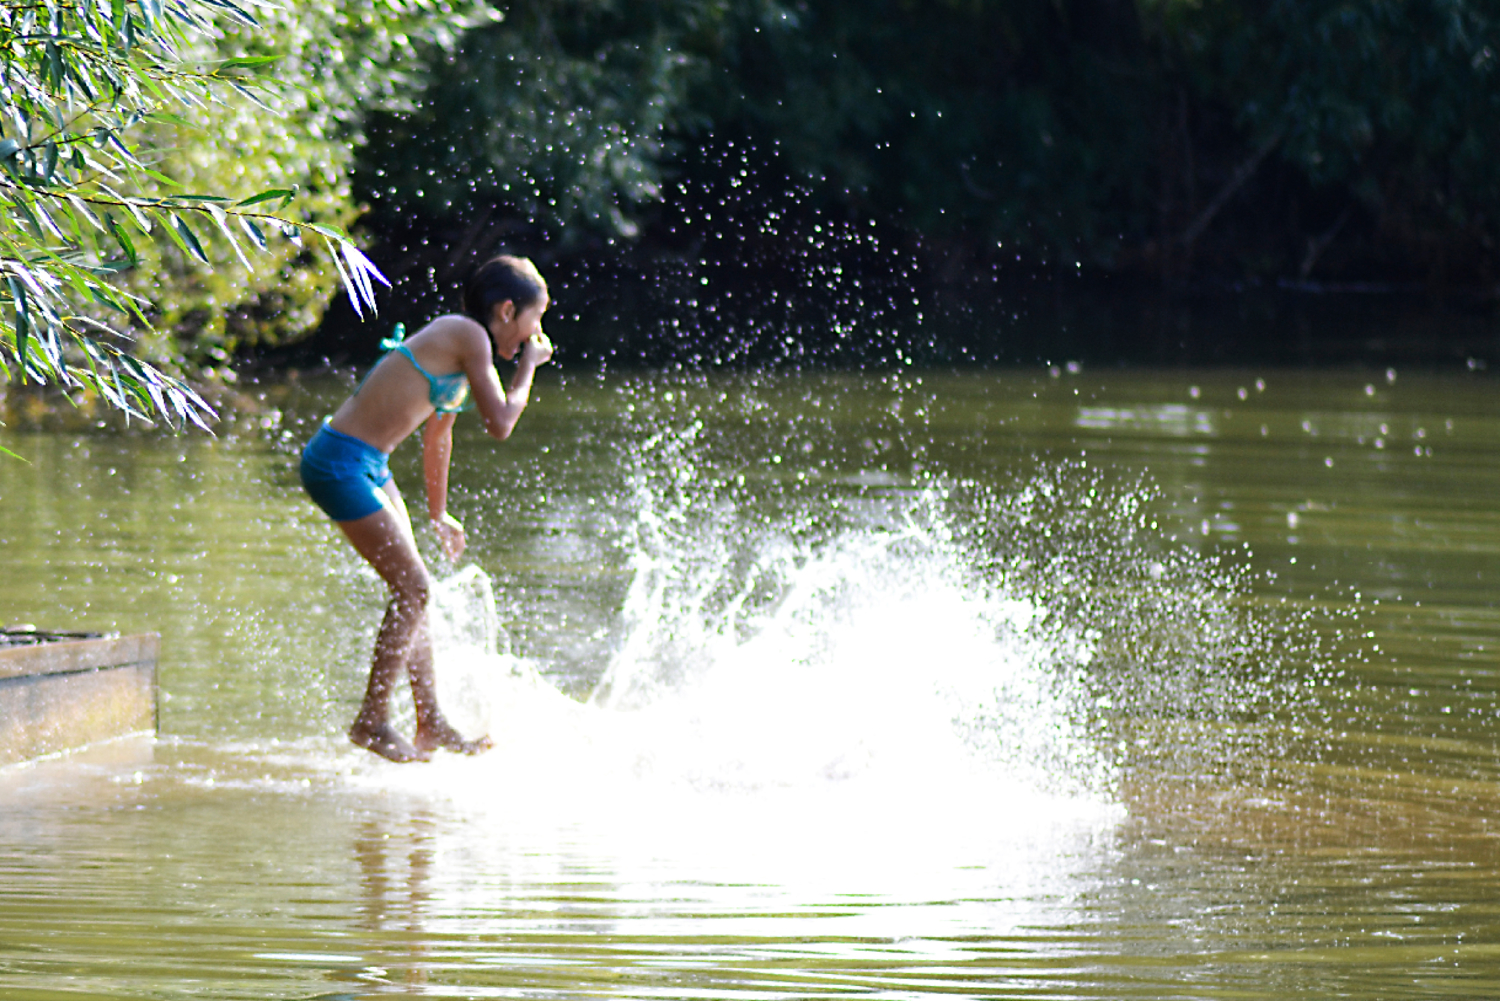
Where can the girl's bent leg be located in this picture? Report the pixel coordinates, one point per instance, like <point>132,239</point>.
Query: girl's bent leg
<point>372,729</point>
<point>385,540</point>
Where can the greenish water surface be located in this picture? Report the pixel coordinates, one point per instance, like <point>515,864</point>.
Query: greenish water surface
<point>1073,684</point>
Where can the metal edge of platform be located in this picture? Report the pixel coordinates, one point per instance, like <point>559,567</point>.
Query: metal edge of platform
<point>56,697</point>
<point>78,655</point>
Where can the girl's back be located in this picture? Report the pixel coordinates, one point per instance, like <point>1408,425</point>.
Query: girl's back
<point>397,396</point>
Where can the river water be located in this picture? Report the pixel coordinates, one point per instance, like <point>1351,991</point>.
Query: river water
<point>1019,683</point>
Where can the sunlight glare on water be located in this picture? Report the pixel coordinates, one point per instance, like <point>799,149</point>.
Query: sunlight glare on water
<point>873,665</point>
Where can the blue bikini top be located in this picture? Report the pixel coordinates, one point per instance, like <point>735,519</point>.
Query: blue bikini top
<point>449,393</point>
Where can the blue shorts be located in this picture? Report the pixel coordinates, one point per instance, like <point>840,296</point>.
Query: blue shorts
<point>344,475</point>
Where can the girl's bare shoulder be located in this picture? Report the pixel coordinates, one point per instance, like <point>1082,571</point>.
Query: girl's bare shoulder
<point>453,325</point>
<point>453,336</point>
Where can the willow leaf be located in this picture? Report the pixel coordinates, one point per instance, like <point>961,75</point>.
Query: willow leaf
<point>253,231</point>
<point>285,194</point>
<point>355,299</point>
<point>189,239</point>
<point>250,95</point>
<point>123,239</point>
<point>248,61</point>
<point>23,204</point>
<point>23,321</point>
<point>221,219</point>
<point>239,14</point>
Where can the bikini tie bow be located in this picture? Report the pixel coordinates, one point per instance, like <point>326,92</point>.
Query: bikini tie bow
<point>393,342</point>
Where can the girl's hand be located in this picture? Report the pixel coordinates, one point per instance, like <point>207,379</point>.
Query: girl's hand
<point>451,534</point>
<point>539,348</point>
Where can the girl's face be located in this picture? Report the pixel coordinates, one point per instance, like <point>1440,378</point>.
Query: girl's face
<point>510,329</point>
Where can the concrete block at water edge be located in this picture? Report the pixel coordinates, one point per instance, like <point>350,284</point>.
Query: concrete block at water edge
<point>64,695</point>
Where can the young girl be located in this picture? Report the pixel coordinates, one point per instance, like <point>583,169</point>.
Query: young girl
<point>445,368</point>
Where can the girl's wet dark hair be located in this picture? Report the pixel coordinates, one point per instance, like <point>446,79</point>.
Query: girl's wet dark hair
<point>498,279</point>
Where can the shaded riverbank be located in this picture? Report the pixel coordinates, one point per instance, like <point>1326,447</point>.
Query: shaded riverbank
<point>849,300</point>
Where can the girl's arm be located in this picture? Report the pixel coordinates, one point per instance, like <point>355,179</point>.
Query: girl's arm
<point>437,448</point>
<point>501,410</point>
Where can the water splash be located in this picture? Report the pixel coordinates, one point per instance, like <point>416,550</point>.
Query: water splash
<point>481,685</point>
<point>865,651</point>
<point>801,632</point>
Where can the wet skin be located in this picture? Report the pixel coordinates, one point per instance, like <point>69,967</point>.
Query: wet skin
<point>392,403</point>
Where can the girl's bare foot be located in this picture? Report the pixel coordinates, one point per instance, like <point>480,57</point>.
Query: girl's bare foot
<point>443,736</point>
<point>385,741</point>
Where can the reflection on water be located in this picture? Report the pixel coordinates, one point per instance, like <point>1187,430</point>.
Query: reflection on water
<point>1133,685</point>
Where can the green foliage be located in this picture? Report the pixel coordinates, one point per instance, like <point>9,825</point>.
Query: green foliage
<point>1101,130</point>
<point>1016,122</point>
<point>1393,103</point>
<point>334,64</point>
<point>559,111</point>
<point>87,88</point>
<point>994,118</point>
<point>1104,125</point>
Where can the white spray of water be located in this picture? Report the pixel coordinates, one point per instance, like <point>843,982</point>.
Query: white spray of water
<point>871,660</point>
<point>879,662</point>
<point>817,646</point>
<point>482,687</point>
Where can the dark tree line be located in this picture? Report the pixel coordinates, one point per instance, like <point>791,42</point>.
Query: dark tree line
<point>1176,142</point>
